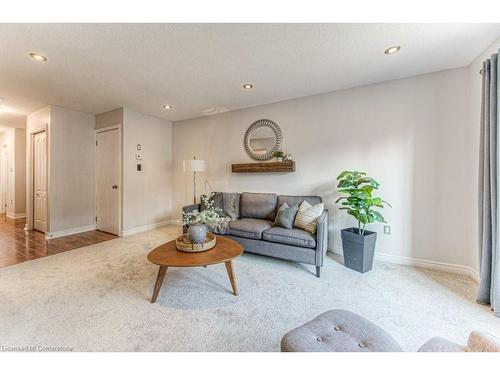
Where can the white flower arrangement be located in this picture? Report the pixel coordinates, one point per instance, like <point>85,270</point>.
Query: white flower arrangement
<point>210,216</point>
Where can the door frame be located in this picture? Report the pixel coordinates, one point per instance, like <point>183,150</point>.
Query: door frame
<point>30,194</point>
<point>117,127</point>
<point>4,177</point>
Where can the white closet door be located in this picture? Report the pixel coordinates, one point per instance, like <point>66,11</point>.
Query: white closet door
<point>40,182</point>
<point>108,181</point>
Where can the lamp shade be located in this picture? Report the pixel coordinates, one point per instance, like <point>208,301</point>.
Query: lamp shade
<point>194,165</point>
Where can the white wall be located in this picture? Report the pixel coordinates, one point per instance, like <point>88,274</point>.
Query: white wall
<point>110,118</point>
<point>146,193</point>
<point>408,134</point>
<point>71,181</point>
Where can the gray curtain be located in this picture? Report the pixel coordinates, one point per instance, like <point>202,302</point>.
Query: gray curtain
<point>489,219</point>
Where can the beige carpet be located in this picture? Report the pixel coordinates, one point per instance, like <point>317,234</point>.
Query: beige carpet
<point>97,299</point>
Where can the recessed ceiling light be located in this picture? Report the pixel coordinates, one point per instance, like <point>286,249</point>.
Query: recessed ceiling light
<point>167,107</point>
<point>37,57</point>
<point>248,86</point>
<point>392,49</point>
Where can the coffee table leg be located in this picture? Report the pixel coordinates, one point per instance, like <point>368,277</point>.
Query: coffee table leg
<point>229,268</point>
<point>159,281</point>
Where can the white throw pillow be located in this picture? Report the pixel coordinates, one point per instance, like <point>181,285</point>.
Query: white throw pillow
<point>307,216</point>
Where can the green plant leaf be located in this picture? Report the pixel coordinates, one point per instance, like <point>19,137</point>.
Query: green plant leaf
<point>370,181</point>
<point>343,174</point>
<point>377,216</point>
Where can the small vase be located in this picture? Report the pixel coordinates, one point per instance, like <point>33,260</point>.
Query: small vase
<point>279,159</point>
<point>197,233</point>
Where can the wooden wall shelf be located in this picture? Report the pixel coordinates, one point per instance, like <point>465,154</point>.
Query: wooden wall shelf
<point>284,166</point>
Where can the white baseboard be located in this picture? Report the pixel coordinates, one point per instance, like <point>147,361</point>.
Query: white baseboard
<point>12,215</point>
<point>422,263</point>
<point>70,231</point>
<point>474,275</point>
<point>145,228</point>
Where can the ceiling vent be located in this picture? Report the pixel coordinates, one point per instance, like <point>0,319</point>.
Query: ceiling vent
<point>214,111</point>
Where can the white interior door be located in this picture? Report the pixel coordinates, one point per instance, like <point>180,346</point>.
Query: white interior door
<point>4,175</point>
<point>108,181</point>
<point>40,181</point>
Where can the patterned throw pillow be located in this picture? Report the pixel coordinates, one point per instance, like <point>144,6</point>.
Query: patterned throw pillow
<point>308,215</point>
<point>286,216</point>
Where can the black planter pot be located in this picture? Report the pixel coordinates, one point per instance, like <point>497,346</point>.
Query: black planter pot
<point>358,249</point>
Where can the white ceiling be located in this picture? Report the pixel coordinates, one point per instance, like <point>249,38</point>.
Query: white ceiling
<point>99,67</point>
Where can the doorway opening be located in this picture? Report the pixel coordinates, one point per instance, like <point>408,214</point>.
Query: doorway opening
<point>4,178</point>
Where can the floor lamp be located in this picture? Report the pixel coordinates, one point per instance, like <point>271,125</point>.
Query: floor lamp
<point>194,166</point>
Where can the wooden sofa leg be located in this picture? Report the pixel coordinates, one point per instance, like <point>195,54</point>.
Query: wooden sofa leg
<point>318,269</point>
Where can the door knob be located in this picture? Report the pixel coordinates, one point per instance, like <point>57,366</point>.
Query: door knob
<point>114,187</point>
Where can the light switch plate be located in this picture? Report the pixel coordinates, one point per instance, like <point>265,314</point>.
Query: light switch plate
<point>387,229</point>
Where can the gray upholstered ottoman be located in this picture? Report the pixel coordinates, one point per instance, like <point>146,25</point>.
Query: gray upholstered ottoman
<point>339,331</point>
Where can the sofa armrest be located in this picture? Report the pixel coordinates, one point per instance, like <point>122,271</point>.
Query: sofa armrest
<point>321,238</point>
<point>191,208</point>
<point>188,209</point>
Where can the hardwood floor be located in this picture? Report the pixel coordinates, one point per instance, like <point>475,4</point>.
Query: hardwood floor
<point>18,245</point>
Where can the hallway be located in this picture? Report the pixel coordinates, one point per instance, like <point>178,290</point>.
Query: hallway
<point>18,245</point>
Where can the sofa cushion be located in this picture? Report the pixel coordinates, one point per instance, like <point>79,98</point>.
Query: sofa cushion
<point>286,216</point>
<point>277,250</point>
<point>298,199</point>
<point>258,206</point>
<point>249,228</point>
<point>295,236</point>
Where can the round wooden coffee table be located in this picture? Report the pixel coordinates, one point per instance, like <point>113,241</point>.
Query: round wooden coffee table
<point>167,255</point>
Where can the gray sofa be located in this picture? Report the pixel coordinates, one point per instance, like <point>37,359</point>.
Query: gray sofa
<point>252,225</point>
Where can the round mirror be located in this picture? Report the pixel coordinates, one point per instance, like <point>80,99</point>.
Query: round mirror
<point>262,139</point>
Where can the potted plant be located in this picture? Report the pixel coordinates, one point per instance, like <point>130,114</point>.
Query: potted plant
<point>279,155</point>
<point>358,244</point>
<point>197,221</point>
